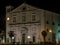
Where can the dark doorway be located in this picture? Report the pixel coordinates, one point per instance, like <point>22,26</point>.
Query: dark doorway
<point>34,38</point>
<point>23,38</point>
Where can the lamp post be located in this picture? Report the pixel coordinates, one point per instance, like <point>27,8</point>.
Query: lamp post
<point>11,35</point>
<point>44,34</point>
<point>28,38</point>
<point>49,33</point>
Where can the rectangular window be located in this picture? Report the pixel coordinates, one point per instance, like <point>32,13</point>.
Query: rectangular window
<point>58,24</point>
<point>47,22</point>
<point>24,18</point>
<point>53,23</point>
<point>33,17</point>
<point>14,19</point>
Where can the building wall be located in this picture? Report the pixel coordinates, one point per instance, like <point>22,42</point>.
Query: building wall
<point>44,21</point>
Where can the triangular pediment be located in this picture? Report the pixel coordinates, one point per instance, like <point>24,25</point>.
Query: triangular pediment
<point>24,7</point>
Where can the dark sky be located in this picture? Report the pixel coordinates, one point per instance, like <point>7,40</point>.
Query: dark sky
<point>53,6</point>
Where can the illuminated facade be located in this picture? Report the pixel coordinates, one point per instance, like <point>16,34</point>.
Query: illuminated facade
<point>27,23</point>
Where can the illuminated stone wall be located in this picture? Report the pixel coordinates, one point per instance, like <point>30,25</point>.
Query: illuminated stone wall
<point>44,21</point>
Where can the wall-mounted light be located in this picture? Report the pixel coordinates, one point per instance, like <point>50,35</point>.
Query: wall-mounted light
<point>12,37</point>
<point>28,37</point>
<point>50,30</point>
<point>8,18</point>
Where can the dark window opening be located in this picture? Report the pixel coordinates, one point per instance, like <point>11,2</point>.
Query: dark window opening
<point>47,30</point>
<point>53,23</point>
<point>24,18</point>
<point>14,19</point>
<point>59,31</point>
<point>47,22</point>
<point>33,17</point>
<point>24,8</point>
<point>58,24</point>
<point>33,38</point>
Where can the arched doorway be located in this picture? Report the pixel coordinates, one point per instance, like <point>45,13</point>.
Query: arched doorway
<point>23,38</point>
<point>24,32</point>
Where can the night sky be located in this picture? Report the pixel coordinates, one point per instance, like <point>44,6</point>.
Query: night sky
<point>53,6</point>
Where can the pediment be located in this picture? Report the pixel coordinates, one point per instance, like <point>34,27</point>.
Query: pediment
<point>24,7</point>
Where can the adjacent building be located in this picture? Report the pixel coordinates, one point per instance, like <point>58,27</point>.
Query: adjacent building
<point>26,23</point>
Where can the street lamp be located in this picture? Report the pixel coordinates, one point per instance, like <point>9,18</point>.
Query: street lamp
<point>44,34</point>
<point>28,38</point>
<point>50,34</point>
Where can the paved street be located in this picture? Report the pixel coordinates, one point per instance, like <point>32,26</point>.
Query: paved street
<point>27,44</point>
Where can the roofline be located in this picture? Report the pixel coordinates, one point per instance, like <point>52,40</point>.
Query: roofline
<point>32,6</point>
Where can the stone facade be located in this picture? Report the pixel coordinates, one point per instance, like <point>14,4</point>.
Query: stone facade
<point>27,22</point>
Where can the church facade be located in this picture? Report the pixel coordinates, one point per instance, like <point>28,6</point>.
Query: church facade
<point>26,23</point>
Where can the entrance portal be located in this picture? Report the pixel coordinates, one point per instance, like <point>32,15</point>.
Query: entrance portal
<point>23,38</point>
